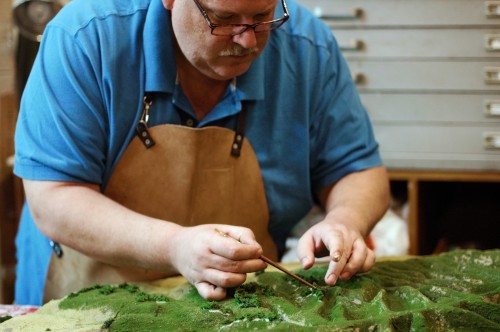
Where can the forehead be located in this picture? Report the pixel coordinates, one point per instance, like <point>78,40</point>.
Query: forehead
<point>240,5</point>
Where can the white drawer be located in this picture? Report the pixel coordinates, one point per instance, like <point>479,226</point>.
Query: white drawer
<point>423,43</point>
<point>435,139</point>
<point>462,109</point>
<point>453,147</point>
<point>428,72</point>
<point>431,76</point>
<point>440,161</point>
<point>374,13</point>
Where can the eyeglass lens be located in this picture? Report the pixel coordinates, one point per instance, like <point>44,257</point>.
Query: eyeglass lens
<point>237,29</point>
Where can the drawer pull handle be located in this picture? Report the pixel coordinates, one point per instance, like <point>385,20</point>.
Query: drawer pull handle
<point>492,108</point>
<point>359,78</point>
<point>492,75</point>
<point>354,45</point>
<point>492,42</point>
<point>10,161</point>
<point>492,9</point>
<point>355,14</point>
<point>492,140</point>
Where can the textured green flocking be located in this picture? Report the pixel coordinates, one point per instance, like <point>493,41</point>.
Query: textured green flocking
<point>459,290</point>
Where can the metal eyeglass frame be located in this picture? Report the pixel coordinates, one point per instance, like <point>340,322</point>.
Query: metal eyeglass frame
<point>242,26</point>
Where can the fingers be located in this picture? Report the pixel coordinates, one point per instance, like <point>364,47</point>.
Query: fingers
<point>223,279</point>
<point>359,259</point>
<point>210,292</point>
<point>337,241</point>
<point>216,257</point>
<point>334,270</point>
<point>235,247</point>
<point>346,249</point>
<point>362,259</point>
<point>238,234</point>
<point>240,254</point>
<point>305,250</point>
<point>234,266</point>
<point>321,241</point>
<point>369,261</point>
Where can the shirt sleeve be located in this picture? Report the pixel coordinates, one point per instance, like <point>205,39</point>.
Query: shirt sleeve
<point>342,138</point>
<point>61,130</point>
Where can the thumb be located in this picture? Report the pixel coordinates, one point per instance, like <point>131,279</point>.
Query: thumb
<point>210,292</point>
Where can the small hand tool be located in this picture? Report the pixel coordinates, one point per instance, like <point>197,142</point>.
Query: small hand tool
<point>271,262</point>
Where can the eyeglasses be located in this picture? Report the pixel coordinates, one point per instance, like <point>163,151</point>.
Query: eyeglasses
<point>236,29</point>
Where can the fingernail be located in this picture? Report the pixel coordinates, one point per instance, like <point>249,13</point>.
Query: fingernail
<point>332,278</point>
<point>304,260</point>
<point>337,255</point>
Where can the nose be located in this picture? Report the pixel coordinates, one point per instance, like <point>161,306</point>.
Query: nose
<point>247,39</point>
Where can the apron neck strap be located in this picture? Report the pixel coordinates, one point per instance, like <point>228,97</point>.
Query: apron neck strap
<point>239,134</point>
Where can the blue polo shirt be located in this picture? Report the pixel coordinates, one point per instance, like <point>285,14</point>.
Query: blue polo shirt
<point>85,95</point>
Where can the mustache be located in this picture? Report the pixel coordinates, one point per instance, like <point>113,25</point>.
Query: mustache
<point>238,51</point>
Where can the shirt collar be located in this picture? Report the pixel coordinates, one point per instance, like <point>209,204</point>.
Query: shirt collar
<point>250,85</point>
<point>158,49</point>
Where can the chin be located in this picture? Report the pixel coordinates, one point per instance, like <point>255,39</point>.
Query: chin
<point>230,71</point>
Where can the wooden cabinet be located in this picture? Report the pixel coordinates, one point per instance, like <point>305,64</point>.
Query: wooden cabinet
<point>403,13</point>
<point>7,47</point>
<point>428,73</point>
<point>8,114</point>
<point>448,209</point>
<point>11,197</point>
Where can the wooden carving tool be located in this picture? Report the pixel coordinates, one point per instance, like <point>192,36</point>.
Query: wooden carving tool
<point>271,262</point>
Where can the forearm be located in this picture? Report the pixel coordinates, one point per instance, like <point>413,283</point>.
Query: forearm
<point>80,217</point>
<point>358,200</point>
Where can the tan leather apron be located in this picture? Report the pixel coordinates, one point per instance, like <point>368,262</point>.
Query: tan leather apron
<point>185,175</point>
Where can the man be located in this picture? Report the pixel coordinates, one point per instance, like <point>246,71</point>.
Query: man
<point>149,127</point>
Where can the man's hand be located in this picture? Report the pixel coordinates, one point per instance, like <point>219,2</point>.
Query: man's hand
<point>212,262</point>
<point>78,216</point>
<point>353,206</point>
<point>346,248</point>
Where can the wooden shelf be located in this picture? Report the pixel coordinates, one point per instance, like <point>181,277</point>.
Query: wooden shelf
<point>431,195</point>
<point>446,176</point>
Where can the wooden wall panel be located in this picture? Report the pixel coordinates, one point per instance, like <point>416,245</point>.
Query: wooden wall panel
<point>10,198</point>
<point>8,115</point>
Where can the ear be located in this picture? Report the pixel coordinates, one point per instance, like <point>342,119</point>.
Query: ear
<point>168,4</point>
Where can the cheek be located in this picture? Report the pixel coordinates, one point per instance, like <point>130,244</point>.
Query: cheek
<point>262,40</point>
<point>191,35</point>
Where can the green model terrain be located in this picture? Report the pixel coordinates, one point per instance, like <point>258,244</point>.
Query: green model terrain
<point>456,291</point>
<point>453,291</point>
